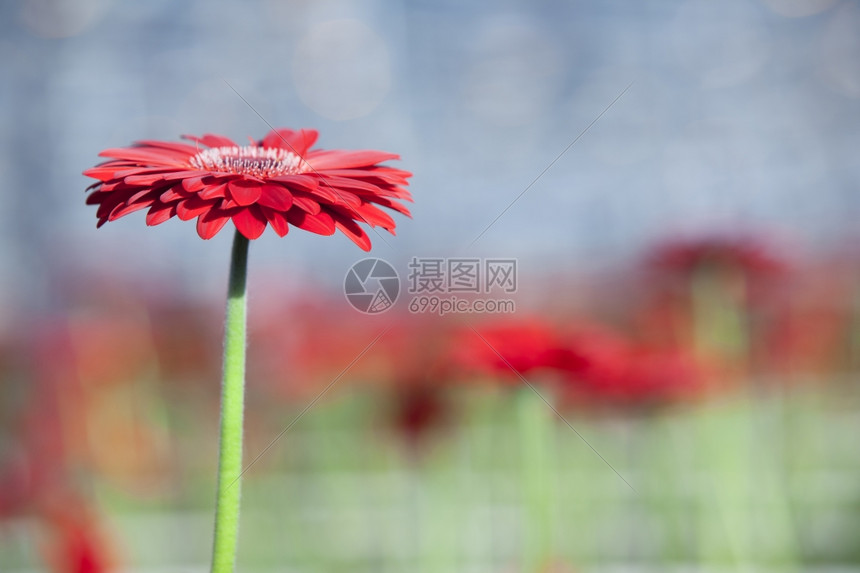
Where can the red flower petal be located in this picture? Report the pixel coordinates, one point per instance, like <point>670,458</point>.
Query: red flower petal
<point>320,160</point>
<point>336,196</point>
<point>351,229</point>
<point>211,222</point>
<point>95,198</point>
<point>321,223</point>
<point>218,191</point>
<point>148,156</point>
<point>277,220</point>
<point>101,173</point>
<point>105,208</point>
<point>147,179</point>
<point>193,207</point>
<point>184,174</point>
<point>142,193</point>
<point>159,213</point>
<point>392,205</point>
<point>276,197</point>
<point>194,183</point>
<point>375,176</point>
<point>211,140</point>
<point>306,204</point>
<point>298,182</point>
<point>122,210</point>
<point>376,217</point>
<point>244,192</point>
<point>296,141</point>
<point>250,222</point>
<point>173,194</point>
<point>184,148</point>
<point>349,184</point>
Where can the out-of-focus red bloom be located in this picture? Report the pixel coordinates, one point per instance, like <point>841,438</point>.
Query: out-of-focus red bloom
<point>36,472</point>
<point>417,410</point>
<point>810,331</point>
<point>278,181</point>
<point>110,349</point>
<point>76,543</point>
<point>725,292</point>
<point>591,363</point>
<point>750,256</point>
<point>52,441</point>
<point>526,345</point>
<point>603,366</point>
<point>750,270</point>
<point>412,352</point>
<point>301,345</point>
<point>185,337</point>
<point>402,366</point>
<point>410,367</point>
<point>89,382</point>
<point>663,319</point>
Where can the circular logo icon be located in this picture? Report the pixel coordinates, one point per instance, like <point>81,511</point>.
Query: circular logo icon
<point>371,286</point>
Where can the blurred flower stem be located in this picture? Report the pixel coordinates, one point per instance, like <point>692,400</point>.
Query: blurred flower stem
<point>535,429</point>
<point>720,329</point>
<point>232,411</point>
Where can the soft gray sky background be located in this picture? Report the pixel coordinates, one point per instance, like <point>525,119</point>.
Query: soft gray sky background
<point>744,115</point>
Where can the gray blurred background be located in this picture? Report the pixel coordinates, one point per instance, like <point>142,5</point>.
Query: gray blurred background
<point>743,115</point>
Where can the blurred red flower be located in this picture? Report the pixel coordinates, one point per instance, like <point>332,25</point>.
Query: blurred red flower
<point>77,541</point>
<point>417,410</point>
<point>413,371</point>
<point>185,339</point>
<point>304,341</point>
<point>525,346</point>
<point>727,291</point>
<point>748,255</point>
<point>278,181</point>
<point>603,366</point>
<point>591,363</point>
<point>48,450</point>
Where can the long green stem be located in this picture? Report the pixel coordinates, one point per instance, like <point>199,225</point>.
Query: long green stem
<point>232,411</point>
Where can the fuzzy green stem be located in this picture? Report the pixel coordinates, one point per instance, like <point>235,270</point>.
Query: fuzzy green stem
<point>232,411</point>
<point>535,429</point>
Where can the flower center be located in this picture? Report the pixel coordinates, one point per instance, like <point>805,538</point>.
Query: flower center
<point>250,160</point>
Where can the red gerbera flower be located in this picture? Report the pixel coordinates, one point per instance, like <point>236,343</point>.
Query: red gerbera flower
<point>278,181</point>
